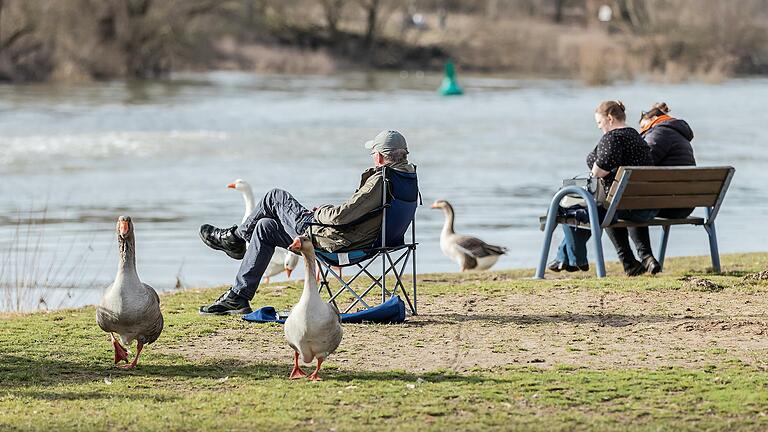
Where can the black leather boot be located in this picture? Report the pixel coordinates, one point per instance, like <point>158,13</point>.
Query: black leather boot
<point>223,239</point>
<point>651,265</point>
<point>633,267</point>
<point>228,304</point>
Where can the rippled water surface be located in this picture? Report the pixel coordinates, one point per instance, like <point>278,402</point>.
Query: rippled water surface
<point>73,158</point>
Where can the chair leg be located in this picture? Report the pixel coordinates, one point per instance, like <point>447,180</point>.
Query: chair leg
<point>324,283</point>
<point>663,248</point>
<point>383,277</point>
<point>413,278</point>
<point>399,277</point>
<point>713,251</point>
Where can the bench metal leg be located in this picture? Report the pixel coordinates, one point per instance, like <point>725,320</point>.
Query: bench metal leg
<point>663,248</point>
<point>549,228</point>
<point>597,236</point>
<point>551,223</point>
<point>713,251</point>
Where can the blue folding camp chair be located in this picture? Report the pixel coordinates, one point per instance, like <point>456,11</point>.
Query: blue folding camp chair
<point>398,210</point>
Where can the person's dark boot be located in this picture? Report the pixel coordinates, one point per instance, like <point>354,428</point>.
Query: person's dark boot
<point>651,265</point>
<point>556,266</point>
<point>633,268</point>
<point>581,267</point>
<point>223,239</point>
<point>228,304</point>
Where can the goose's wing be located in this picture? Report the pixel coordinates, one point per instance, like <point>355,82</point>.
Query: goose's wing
<point>153,322</point>
<point>152,293</point>
<point>477,248</point>
<point>333,330</point>
<point>106,317</point>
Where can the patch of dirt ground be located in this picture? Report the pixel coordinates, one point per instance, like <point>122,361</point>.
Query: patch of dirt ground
<point>570,326</point>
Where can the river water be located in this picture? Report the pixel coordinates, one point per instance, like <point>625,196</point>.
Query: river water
<point>74,158</point>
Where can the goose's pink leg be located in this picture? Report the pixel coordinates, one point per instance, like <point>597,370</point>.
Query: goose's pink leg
<point>314,375</point>
<point>121,354</point>
<point>132,365</point>
<point>296,372</point>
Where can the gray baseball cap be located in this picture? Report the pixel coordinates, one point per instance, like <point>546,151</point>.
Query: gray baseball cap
<point>387,140</point>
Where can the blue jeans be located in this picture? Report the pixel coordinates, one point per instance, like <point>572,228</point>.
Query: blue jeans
<point>276,220</point>
<point>573,249</point>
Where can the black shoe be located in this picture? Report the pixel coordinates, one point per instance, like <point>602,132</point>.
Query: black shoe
<point>634,268</point>
<point>556,266</point>
<point>651,265</point>
<point>571,269</point>
<point>228,304</point>
<point>223,239</point>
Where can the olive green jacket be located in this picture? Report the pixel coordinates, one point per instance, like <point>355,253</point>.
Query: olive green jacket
<point>366,199</point>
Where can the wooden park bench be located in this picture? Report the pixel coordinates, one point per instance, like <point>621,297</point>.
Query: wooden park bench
<point>647,188</point>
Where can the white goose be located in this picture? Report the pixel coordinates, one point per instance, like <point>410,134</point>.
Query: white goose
<point>282,260</point>
<point>470,253</point>
<point>129,307</point>
<point>313,328</point>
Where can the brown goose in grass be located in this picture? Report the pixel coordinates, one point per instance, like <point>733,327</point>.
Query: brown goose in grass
<point>470,253</point>
<point>129,308</point>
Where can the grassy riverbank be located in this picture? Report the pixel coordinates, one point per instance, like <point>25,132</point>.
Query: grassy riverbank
<point>684,350</point>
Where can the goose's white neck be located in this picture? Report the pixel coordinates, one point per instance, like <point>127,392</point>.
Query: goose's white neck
<point>448,224</point>
<point>310,282</point>
<point>126,267</point>
<point>249,201</point>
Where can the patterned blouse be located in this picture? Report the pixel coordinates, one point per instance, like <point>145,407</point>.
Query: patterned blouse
<point>619,147</point>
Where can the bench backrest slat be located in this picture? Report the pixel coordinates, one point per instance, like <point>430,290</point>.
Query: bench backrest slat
<point>676,174</point>
<point>663,187</point>
<point>668,187</point>
<point>667,201</point>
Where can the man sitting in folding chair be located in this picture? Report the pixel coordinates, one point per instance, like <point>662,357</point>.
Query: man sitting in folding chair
<point>278,218</point>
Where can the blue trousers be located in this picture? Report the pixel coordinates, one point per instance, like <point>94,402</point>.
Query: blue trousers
<point>276,220</point>
<point>573,249</point>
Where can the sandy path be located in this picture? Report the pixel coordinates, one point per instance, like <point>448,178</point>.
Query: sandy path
<point>571,326</point>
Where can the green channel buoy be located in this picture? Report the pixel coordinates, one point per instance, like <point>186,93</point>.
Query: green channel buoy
<point>450,87</point>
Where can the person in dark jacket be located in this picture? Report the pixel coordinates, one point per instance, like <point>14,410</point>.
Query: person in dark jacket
<point>670,142</point>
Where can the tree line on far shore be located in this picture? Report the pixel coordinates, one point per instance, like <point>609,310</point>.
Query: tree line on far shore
<point>596,40</point>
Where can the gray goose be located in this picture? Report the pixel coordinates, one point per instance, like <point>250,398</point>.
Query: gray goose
<point>128,307</point>
<point>470,253</point>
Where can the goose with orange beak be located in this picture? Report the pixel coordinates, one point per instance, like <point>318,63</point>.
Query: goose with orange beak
<point>282,260</point>
<point>313,328</point>
<point>469,252</point>
<point>129,308</point>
